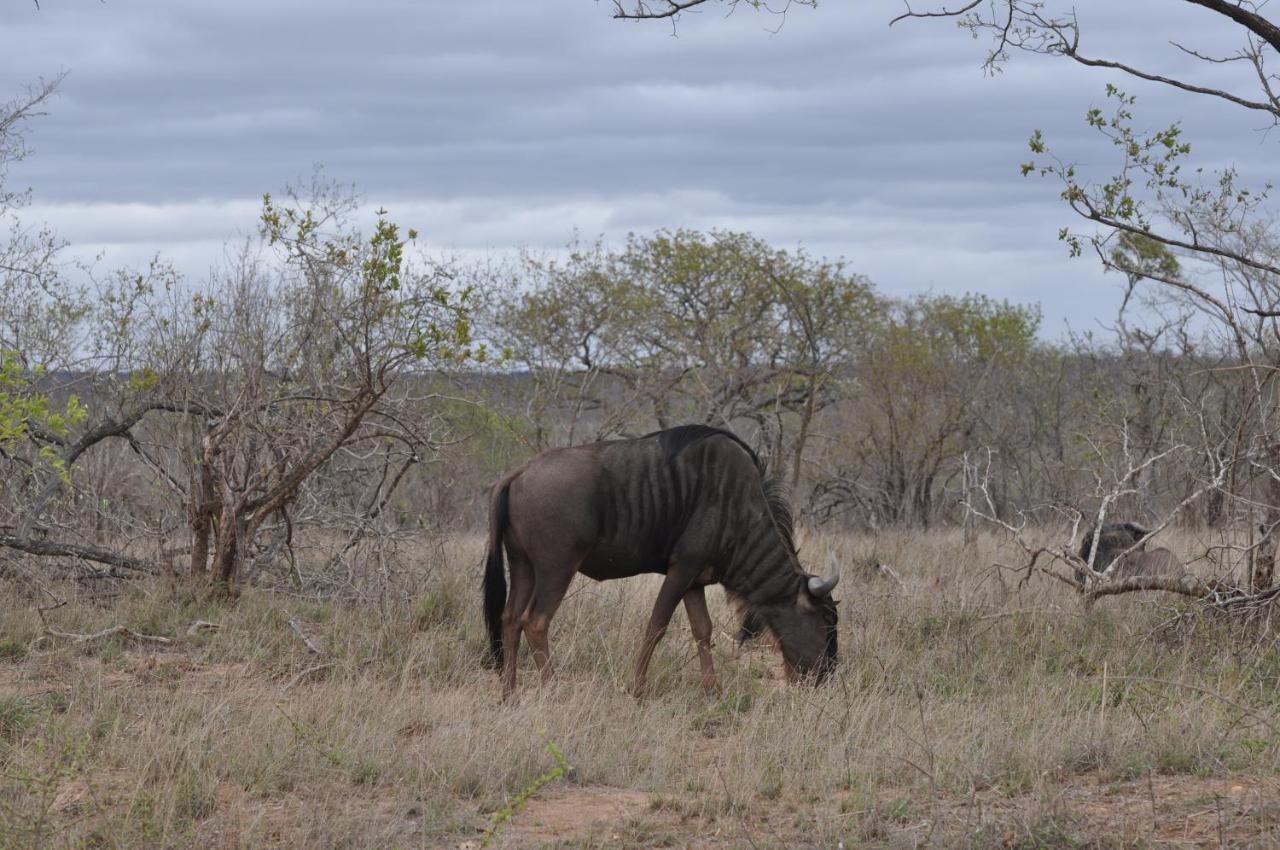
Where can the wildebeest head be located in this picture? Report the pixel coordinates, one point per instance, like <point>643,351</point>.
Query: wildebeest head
<point>806,627</point>
<point>1114,539</point>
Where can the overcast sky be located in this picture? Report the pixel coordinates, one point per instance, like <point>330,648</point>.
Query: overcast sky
<point>493,124</point>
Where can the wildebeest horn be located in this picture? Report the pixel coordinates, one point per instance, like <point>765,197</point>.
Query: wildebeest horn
<point>818,587</point>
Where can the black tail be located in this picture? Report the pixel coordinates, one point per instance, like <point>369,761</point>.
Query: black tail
<point>495,579</point>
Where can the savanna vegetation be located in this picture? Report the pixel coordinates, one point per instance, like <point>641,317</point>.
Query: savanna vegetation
<point>239,557</point>
<point>967,711</point>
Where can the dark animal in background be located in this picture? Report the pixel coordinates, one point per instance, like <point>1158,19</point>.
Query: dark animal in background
<point>1155,562</point>
<point>692,503</point>
<point>1114,539</point>
<point>1117,538</point>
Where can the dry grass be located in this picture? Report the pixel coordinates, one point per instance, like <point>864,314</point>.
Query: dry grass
<point>966,712</point>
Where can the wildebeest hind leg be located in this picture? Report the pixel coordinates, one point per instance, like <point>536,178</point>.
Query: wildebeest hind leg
<point>512,616</point>
<point>695,605</point>
<point>547,596</point>
<point>673,590</point>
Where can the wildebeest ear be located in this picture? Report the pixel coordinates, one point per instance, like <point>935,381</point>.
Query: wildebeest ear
<point>804,600</point>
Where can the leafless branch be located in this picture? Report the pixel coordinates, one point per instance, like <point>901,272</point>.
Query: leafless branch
<point>306,641</point>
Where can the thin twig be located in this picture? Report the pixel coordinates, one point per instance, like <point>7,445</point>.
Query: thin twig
<point>307,672</point>
<point>297,630</point>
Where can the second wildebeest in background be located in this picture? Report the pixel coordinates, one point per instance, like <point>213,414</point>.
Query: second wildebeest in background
<point>1114,540</point>
<point>692,503</point>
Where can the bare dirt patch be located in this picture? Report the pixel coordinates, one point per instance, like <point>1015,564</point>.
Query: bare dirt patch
<point>579,812</point>
<point>17,681</point>
<point>1160,811</point>
<point>1182,811</point>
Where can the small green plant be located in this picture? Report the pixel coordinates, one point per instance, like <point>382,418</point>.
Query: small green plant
<point>28,793</point>
<point>722,713</point>
<point>365,771</point>
<point>15,716</point>
<point>196,796</point>
<point>1176,759</point>
<point>435,608</point>
<point>503,816</point>
<point>900,810</point>
<point>312,739</point>
<point>12,650</point>
<point>1258,746</point>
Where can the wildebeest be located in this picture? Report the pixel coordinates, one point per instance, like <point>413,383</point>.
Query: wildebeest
<point>1116,538</point>
<point>693,503</point>
<point>1155,562</point>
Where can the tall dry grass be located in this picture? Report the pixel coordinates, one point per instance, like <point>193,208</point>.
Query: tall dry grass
<point>955,687</point>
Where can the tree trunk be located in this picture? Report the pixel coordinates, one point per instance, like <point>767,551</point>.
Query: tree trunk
<point>230,549</point>
<point>1264,568</point>
<point>199,542</point>
<point>200,512</point>
<point>806,419</point>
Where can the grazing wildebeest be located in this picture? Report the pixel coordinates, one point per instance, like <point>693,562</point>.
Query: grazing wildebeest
<point>1118,537</point>
<point>1114,538</point>
<point>692,503</point>
<point>1155,562</point>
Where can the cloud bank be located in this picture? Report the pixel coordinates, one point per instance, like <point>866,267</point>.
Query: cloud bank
<point>491,125</point>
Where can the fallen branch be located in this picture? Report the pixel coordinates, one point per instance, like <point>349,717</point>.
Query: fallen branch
<point>123,631</point>
<point>1187,584</point>
<point>106,633</point>
<point>297,630</point>
<point>325,666</point>
<point>87,553</point>
<point>307,672</point>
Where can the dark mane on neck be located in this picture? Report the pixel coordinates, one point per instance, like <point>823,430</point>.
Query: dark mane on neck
<point>775,493</point>
<point>676,440</point>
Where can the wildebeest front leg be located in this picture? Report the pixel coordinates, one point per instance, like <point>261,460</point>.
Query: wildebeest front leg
<point>673,590</point>
<point>695,605</point>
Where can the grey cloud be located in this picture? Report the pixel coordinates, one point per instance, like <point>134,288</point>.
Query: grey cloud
<point>512,123</point>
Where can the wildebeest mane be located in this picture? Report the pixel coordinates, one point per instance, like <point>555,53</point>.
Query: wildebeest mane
<point>775,493</point>
<point>1130,530</point>
<point>676,440</point>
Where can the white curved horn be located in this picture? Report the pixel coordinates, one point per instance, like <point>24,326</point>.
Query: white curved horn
<point>818,587</point>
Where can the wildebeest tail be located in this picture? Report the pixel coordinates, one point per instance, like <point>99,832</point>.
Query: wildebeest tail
<point>495,579</point>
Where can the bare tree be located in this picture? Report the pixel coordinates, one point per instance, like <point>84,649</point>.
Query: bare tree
<point>311,349</point>
<point>1203,244</point>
